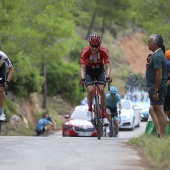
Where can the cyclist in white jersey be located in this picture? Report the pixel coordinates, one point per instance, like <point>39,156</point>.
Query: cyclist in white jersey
<point>4,62</point>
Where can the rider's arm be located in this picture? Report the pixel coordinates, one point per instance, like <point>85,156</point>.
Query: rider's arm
<point>120,106</point>
<point>83,68</point>
<point>107,69</point>
<point>10,73</point>
<point>105,53</point>
<point>119,102</point>
<point>83,61</point>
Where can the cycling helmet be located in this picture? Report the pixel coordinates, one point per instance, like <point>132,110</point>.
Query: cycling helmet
<point>94,39</point>
<point>113,90</point>
<point>167,54</point>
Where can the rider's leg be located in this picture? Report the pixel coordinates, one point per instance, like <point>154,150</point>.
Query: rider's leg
<point>116,123</point>
<point>103,100</point>
<point>90,96</point>
<point>103,105</point>
<point>116,126</point>
<point>2,99</point>
<point>108,114</point>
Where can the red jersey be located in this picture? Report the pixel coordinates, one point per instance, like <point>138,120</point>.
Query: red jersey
<point>87,58</point>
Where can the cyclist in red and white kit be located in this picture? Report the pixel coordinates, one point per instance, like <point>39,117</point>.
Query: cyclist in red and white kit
<point>93,59</point>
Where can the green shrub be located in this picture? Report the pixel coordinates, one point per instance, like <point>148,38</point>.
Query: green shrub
<point>156,150</point>
<point>10,108</point>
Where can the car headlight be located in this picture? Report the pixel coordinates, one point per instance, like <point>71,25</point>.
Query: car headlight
<point>68,127</point>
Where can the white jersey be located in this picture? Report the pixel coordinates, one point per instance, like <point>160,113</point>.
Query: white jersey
<point>4,59</point>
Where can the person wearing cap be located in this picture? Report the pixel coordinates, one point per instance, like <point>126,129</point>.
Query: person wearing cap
<point>167,98</point>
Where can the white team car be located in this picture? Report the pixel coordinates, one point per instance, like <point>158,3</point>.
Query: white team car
<point>130,116</point>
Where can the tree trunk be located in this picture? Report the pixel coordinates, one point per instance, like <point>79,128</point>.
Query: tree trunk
<point>44,105</point>
<point>91,25</point>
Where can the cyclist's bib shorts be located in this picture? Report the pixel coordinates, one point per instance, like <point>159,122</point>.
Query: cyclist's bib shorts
<point>97,73</point>
<point>114,112</point>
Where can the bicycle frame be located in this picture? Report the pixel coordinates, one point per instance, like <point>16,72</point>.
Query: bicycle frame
<point>97,116</point>
<point>97,121</point>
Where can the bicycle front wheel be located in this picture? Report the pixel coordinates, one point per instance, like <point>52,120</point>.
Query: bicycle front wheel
<point>112,129</point>
<point>98,122</point>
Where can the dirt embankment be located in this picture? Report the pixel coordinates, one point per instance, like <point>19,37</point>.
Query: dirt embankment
<point>135,50</point>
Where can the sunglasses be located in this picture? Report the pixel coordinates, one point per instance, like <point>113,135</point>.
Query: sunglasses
<point>113,93</point>
<point>94,46</point>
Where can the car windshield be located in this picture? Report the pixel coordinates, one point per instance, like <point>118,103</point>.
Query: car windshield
<point>126,104</point>
<point>77,114</point>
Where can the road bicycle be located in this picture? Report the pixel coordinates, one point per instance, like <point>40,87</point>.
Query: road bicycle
<point>97,119</point>
<point>6,92</point>
<point>112,132</point>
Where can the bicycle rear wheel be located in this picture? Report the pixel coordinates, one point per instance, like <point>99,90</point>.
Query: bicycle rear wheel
<point>98,122</point>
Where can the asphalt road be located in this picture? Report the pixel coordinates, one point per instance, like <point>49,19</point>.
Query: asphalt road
<point>70,153</point>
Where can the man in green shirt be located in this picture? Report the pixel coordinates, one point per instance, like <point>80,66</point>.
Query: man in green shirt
<point>156,78</point>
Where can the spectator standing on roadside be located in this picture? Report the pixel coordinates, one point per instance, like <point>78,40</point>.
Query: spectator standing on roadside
<point>151,111</point>
<point>167,98</point>
<point>156,78</point>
